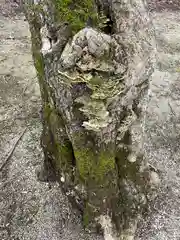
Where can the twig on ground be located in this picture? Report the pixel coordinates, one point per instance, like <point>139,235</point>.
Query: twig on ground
<point>29,84</point>
<point>12,150</point>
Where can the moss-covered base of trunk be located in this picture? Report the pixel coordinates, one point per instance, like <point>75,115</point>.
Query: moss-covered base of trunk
<point>99,180</point>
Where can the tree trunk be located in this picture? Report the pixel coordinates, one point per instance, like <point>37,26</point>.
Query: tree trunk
<point>94,67</point>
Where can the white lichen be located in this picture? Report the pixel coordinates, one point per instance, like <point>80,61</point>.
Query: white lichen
<point>62,179</point>
<point>46,46</point>
<point>154,178</point>
<point>132,157</point>
<point>107,227</point>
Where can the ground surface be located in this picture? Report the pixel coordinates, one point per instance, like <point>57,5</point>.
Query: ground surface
<point>163,129</point>
<point>30,210</point>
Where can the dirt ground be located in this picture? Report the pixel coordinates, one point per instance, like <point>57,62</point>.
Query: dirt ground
<point>32,210</point>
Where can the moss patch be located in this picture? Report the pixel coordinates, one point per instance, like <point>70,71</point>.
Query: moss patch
<point>93,166</point>
<point>87,215</point>
<point>60,146</point>
<point>76,12</point>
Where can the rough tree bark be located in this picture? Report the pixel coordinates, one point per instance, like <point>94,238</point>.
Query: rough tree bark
<point>94,61</point>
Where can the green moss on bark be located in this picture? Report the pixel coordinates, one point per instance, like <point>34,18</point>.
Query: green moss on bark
<point>87,215</point>
<point>37,55</point>
<point>57,144</point>
<point>76,12</point>
<point>93,166</point>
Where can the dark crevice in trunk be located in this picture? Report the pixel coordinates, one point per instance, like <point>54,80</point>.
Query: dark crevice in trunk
<point>108,28</point>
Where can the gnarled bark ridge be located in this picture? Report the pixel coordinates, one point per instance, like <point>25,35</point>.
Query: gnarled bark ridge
<point>94,61</point>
